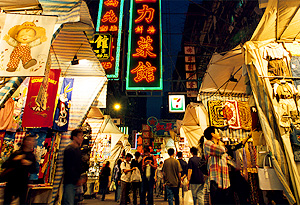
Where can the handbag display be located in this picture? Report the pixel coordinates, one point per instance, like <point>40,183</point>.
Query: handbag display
<point>136,176</point>
<point>267,177</point>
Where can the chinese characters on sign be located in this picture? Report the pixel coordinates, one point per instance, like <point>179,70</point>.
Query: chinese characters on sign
<point>190,68</point>
<point>144,64</point>
<point>107,41</point>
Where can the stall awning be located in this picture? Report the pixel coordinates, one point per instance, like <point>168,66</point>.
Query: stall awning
<point>19,5</point>
<point>224,73</point>
<point>280,22</point>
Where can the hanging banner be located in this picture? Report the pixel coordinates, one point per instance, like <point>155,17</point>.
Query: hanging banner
<point>61,117</point>
<point>24,44</point>
<point>36,115</point>
<point>107,42</point>
<point>144,63</point>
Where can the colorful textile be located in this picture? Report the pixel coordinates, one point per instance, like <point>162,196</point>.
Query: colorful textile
<point>46,156</point>
<point>217,164</point>
<point>35,114</point>
<point>216,117</point>
<point>39,149</point>
<point>6,115</point>
<point>61,117</point>
<point>9,88</point>
<point>245,115</point>
<point>2,134</point>
<point>19,136</point>
<point>231,113</point>
<point>7,146</point>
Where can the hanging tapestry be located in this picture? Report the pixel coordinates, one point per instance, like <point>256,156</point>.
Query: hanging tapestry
<point>37,112</point>
<point>25,44</point>
<point>231,114</point>
<point>7,146</point>
<point>19,136</point>
<point>39,149</point>
<point>61,117</point>
<point>216,117</point>
<point>45,157</point>
<point>245,115</point>
<point>2,134</point>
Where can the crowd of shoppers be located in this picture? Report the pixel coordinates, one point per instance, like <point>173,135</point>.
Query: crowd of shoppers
<point>220,181</point>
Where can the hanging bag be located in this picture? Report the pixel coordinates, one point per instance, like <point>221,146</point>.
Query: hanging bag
<point>267,177</point>
<point>136,176</point>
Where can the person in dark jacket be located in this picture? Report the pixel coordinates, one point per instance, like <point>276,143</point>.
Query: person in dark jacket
<point>18,166</point>
<point>73,167</point>
<point>184,166</point>
<point>136,186</point>
<point>104,180</point>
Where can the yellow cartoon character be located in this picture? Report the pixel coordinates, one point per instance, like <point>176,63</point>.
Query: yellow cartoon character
<point>23,38</point>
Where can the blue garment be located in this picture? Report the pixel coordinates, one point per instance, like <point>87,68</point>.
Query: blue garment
<point>172,192</point>
<point>69,194</point>
<point>295,68</point>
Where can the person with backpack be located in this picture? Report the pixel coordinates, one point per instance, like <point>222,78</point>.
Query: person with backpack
<point>195,177</point>
<point>125,179</point>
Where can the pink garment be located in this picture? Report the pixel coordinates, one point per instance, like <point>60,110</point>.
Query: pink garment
<point>6,115</point>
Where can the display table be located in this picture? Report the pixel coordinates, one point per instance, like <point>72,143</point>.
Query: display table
<point>37,194</point>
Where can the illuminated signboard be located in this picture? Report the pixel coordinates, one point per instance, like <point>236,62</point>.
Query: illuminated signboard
<point>176,103</point>
<point>102,46</point>
<point>109,22</point>
<point>144,64</point>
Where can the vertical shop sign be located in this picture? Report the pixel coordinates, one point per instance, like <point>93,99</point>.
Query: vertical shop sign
<point>107,41</point>
<point>144,63</point>
<point>62,112</point>
<point>36,114</point>
<point>190,68</point>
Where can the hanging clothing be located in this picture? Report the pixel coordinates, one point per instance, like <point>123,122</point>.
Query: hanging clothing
<point>216,117</point>
<point>295,69</point>
<point>278,67</point>
<point>284,90</point>
<point>245,115</point>
<point>6,115</point>
<point>274,51</point>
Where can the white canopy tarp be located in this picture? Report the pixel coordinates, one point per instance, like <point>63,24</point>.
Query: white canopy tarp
<point>194,123</point>
<point>280,21</point>
<point>220,69</point>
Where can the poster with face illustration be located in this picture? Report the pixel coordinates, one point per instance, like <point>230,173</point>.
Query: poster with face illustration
<point>24,44</point>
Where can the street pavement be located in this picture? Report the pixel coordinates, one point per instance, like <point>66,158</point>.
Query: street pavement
<point>110,199</point>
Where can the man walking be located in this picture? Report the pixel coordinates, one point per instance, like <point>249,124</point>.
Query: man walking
<point>184,172</point>
<point>73,167</point>
<point>172,173</point>
<point>148,166</point>
<point>125,179</point>
<point>195,178</point>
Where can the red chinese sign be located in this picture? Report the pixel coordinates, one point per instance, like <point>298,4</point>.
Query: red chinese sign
<point>106,43</point>
<point>144,70</point>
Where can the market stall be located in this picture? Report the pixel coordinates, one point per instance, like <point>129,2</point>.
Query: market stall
<point>77,88</point>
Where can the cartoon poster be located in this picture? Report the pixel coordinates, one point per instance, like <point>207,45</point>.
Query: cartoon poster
<point>61,117</point>
<point>37,114</point>
<point>24,44</point>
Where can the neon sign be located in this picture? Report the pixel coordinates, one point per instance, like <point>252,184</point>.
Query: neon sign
<point>109,22</point>
<point>144,64</point>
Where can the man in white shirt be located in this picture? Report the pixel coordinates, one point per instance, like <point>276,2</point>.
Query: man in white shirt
<point>125,179</point>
